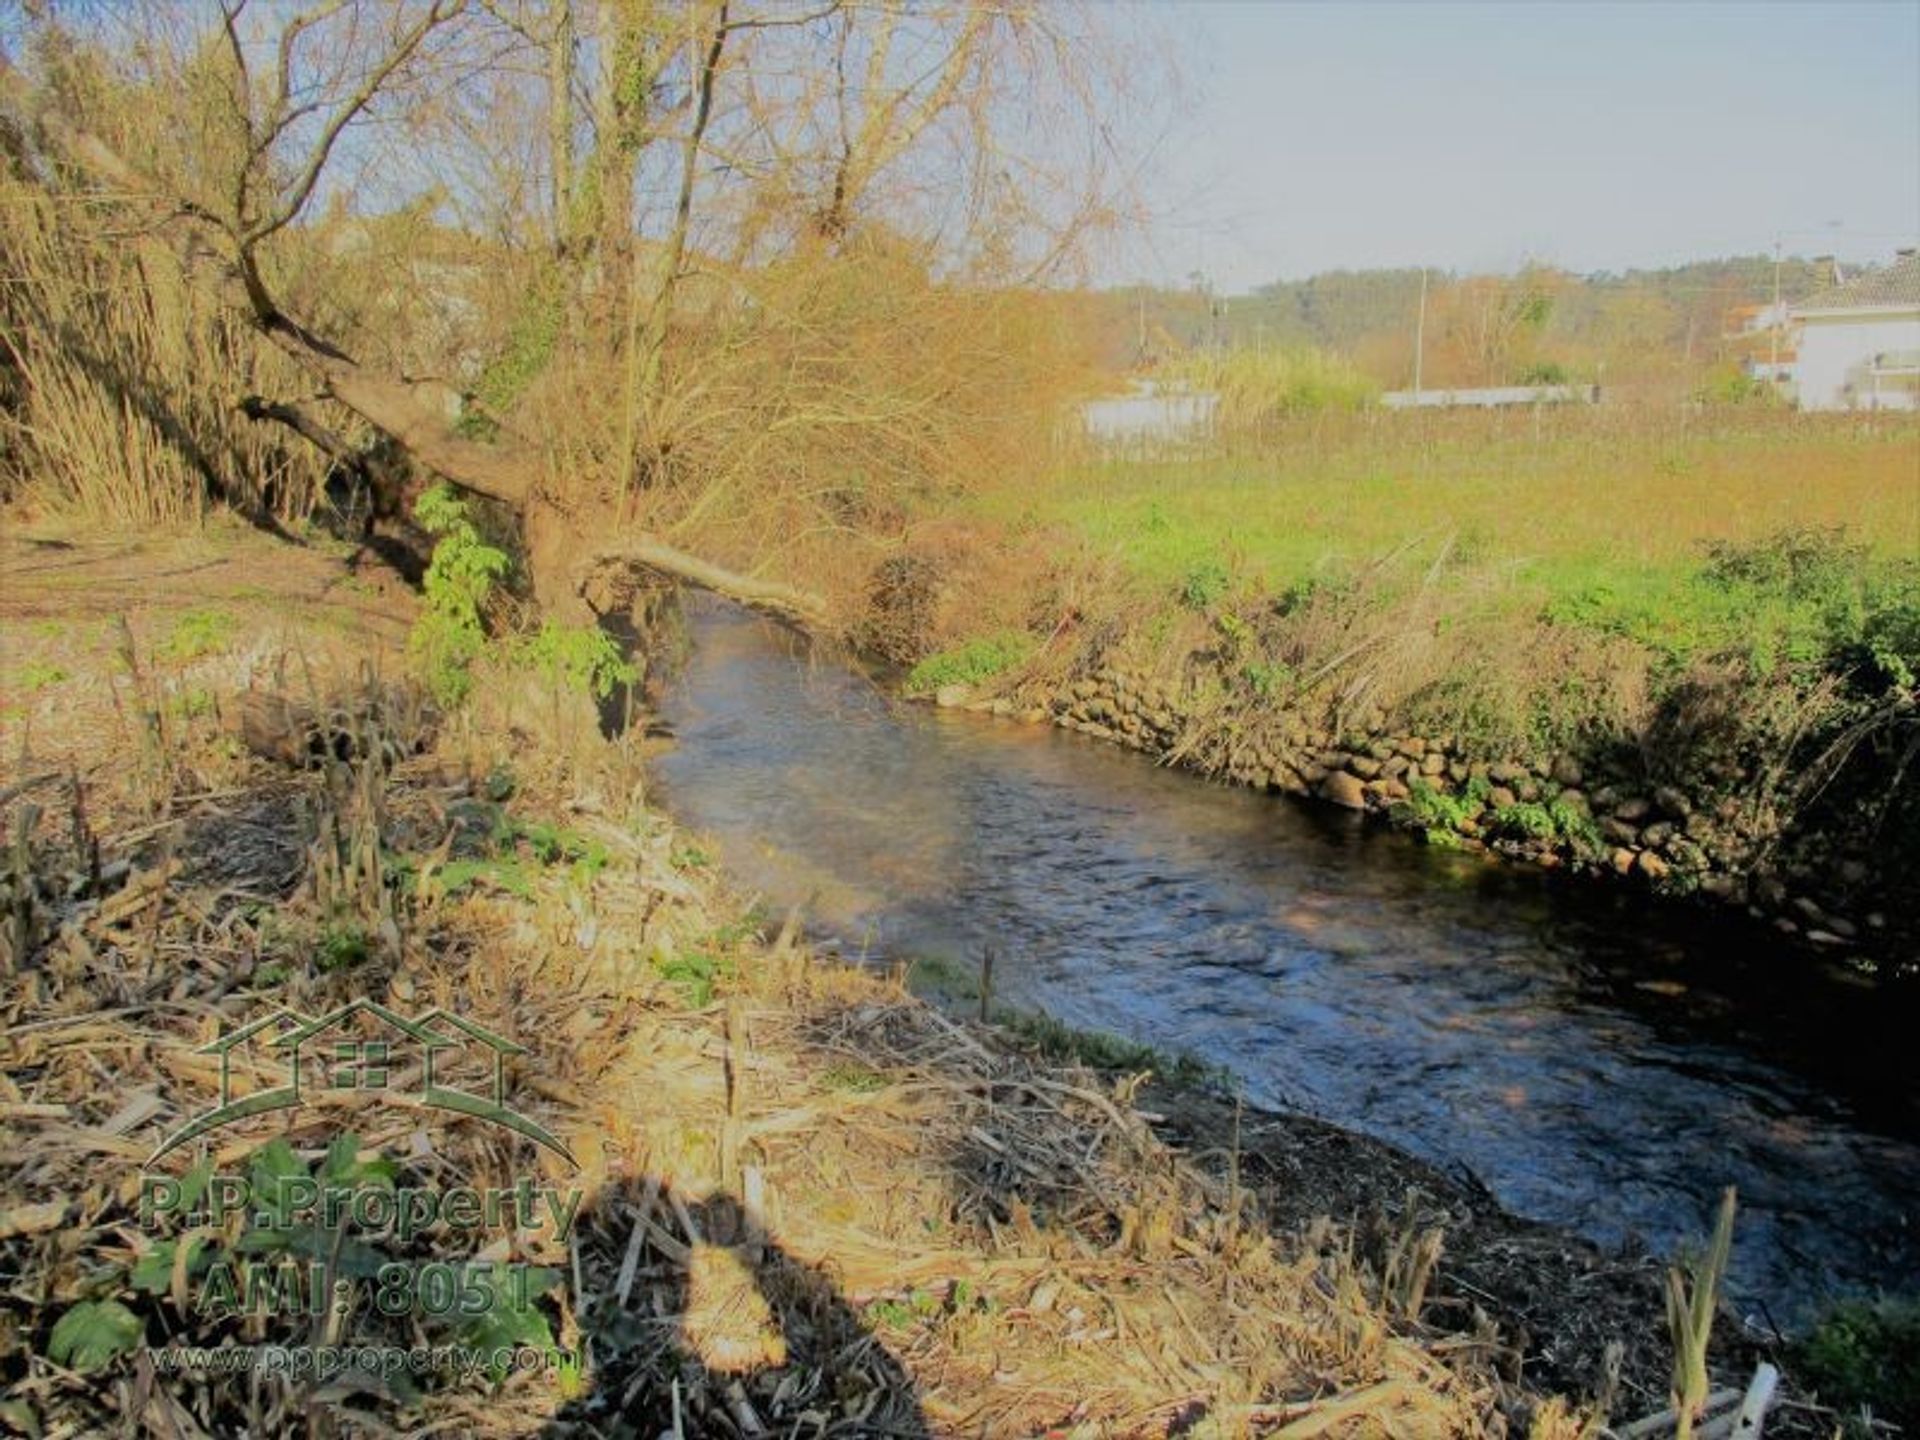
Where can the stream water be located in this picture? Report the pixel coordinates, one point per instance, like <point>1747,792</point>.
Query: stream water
<point>1593,1063</point>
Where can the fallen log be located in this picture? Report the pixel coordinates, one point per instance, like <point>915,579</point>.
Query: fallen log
<point>769,596</point>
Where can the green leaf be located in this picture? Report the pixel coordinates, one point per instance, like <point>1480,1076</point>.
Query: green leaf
<point>92,1333</point>
<point>354,1258</point>
<point>270,1168</point>
<point>194,1184</point>
<point>507,1325</point>
<point>343,1166</point>
<point>153,1271</point>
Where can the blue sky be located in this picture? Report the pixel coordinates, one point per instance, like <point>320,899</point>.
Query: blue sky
<point>1479,137</point>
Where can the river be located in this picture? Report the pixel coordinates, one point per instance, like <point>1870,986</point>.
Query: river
<point>1596,1063</point>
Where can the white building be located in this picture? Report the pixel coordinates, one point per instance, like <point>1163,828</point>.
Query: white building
<point>1858,343</point>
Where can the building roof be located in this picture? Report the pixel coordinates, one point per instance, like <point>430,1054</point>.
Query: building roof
<point>1895,286</point>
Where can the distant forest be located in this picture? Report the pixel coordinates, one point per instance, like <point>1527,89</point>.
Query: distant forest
<point>1638,326</point>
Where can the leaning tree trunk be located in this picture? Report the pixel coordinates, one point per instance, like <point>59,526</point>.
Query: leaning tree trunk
<point>569,547</point>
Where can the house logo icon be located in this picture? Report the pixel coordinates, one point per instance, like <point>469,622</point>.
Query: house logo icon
<point>364,1047</point>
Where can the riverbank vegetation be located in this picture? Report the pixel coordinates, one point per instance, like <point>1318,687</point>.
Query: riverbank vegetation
<point>701,293</point>
<point>1724,603</point>
<point>808,1202</point>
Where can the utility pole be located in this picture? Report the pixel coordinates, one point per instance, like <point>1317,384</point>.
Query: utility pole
<point>1420,335</point>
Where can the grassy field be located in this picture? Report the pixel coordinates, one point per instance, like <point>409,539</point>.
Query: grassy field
<point>1603,519</point>
<point>1550,505</point>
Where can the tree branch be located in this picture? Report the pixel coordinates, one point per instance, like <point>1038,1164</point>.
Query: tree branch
<point>291,205</point>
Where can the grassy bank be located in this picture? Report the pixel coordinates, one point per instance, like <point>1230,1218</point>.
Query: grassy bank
<point>1724,604</point>
<point>1546,504</point>
<point>808,1202</point>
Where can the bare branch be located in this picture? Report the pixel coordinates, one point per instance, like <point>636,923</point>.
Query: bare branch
<point>303,186</point>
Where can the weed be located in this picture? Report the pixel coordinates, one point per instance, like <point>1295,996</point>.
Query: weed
<point>1100,1050</point>
<point>933,975</point>
<point>1555,821</point>
<point>505,875</point>
<point>1269,679</point>
<point>1205,585</point>
<point>1692,1293</point>
<point>1433,810</point>
<point>1525,820</point>
<point>342,944</point>
<point>38,675</point>
<point>196,634</point>
<point>193,704</point>
<point>1866,1354</point>
<point>451,632</point>
<point>852,1078</point>
<point>972,663</point>
<point>689,855</point>
<point>581,659</point>
<point>697,973</point>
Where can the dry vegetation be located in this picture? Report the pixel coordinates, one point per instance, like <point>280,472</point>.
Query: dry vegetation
<point>702,288</point>
<point>689,287</point>
<point>813,1204</point>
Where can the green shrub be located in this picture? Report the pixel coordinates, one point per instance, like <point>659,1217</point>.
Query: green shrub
<point>452,629</point>
<point>1555,821</point>
<point>1730,385</point>
<point>584,659</point>
<point>971,663</point>
<point>1866,1354</point>
<point>1205,585</point>
<point>1801,605</point>
<point>1434,811</point>
<point>1269,679</point>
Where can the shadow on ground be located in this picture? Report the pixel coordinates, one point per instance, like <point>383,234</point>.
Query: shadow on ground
<point>701,1324</point>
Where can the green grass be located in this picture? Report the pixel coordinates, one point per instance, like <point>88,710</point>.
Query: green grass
<point>696,973</point>
<point>38,675</point>
<point>196,634</point>
<point>971,663</point>
<point>1596,509</point>
<point>1865,1354</point>
<point>1099,1050</point>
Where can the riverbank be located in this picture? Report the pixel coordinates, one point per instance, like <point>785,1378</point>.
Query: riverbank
<point>806,1200</point>
<point>1603,812</point>
<point>1672,650</point>
<point>806,1197</point>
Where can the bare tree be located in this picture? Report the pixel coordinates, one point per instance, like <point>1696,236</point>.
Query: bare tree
<point>725,143</point>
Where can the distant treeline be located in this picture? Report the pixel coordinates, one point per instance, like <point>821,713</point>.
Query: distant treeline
<point>1541,323</point>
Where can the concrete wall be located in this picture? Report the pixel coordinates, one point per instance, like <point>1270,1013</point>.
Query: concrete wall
<point>1836,355</point>
<point>1490,397</point>
<point>1149,417</point>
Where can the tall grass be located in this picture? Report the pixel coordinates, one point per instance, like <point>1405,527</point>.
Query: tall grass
<point>120,393</point>
<point>1530,580</point>
<point>1260,388</point>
